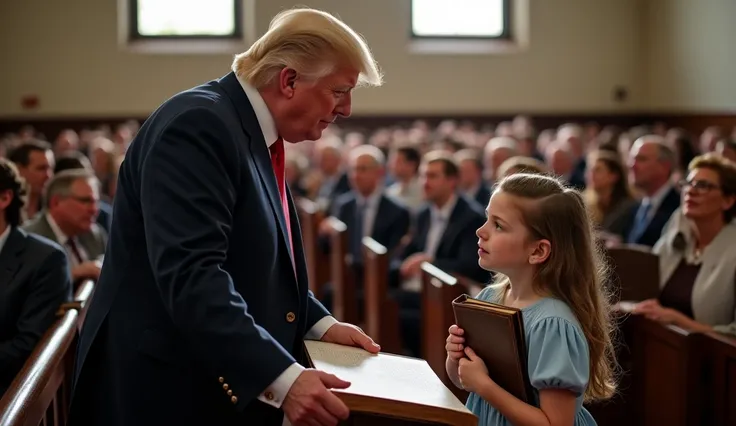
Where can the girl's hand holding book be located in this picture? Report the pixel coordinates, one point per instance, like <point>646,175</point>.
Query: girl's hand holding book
<point>473,372</point>
<point>455,343</point>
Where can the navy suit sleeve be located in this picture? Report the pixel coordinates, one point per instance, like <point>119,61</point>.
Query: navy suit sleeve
<point>189,184</point>
<point>49,287</point>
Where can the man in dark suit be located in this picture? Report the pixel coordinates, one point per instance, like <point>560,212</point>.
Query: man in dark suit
<point>471,182</point>
<point>367,211</point>
<point>335,181</point>
<point>202,306</point>
<point>444,235</point>
<point>69,219</point>
<point>34,280</point>
<point>75,160</point>
<point>652,162</point>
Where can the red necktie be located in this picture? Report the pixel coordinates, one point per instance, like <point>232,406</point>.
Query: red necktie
<point>75,250</point>
<point>278,163</point>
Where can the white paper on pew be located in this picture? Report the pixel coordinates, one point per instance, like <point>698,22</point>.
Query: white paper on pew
<point>384,375</point>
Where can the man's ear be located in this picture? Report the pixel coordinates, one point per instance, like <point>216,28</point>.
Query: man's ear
<point>287,80</point>
<point>540,252</point>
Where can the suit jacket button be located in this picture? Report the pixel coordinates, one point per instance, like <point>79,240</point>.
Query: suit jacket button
<point>222,379</point>
<point>290,317</point>
<point>230,392</point>
<point>225,386</point>
<point>269,395</point>
<point>234,399</point>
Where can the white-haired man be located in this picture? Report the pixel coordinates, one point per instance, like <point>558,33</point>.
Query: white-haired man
<point>202,306</point>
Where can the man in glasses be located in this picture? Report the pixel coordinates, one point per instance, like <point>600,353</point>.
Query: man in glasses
<point>69,218</point>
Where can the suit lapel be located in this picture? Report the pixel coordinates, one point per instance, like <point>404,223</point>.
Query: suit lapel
<point>296,231</point>
<point>259,151</point>
<point>455,223</point>
<point>10,255</point>
<point>383,213</point>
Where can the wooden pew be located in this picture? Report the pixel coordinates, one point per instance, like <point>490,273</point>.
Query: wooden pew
<point>719,392</point>
<point>666,373</point>
<point>439,289</point>
<point>381,311</point>
<point>317,263</point>
<point>635,272</point>
<point>40,393</point>
<point>344,293</point>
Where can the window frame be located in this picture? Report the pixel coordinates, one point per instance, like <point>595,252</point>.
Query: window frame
<point>506,34</point>
<point>134,34</point>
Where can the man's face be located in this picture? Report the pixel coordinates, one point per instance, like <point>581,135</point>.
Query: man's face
<point>437,185</point>
<point>644,164</point>
<point>39,170</point>
<point>77,211</point>
<point>311,106</point>
<point>365,174</point>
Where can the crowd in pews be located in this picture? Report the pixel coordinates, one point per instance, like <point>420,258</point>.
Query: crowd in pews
<point>646,186</point>
<point>400,199</point>
<point>54,221</point>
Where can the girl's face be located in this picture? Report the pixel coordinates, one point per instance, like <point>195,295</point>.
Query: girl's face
<point>503,240</point>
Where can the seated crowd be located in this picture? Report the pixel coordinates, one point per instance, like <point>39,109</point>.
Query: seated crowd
<point>419,191</point>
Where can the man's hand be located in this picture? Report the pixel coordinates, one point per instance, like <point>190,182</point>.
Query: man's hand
<point>412,264</point>
<point>309,401</point>
<point>346,334</point>
<point>86,270</point>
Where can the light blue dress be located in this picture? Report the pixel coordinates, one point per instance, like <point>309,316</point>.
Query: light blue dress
<point>558,357</point>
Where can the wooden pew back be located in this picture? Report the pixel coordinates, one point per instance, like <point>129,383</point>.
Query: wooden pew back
<point>439,289</point>
<point>381,311</point>
<point>666,373</point>
<point>40,393</point>
<point>635,272</point>
<point>719,392</point>
<point>317,263</point>
<point>344,293</point>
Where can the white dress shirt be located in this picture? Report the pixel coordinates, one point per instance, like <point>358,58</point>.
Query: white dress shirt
<point>370,209</point>
<point>4,237</point>
<point>281,386</point>
<point>63,241</point>
<point>438,220</point>
<point>410,194</point>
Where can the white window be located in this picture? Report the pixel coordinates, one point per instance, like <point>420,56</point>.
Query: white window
<point>192,19</point>
<point>455,19</point>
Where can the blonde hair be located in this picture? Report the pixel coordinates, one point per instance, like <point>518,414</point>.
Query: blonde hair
<point>575,272</point>
<point>313,43</point>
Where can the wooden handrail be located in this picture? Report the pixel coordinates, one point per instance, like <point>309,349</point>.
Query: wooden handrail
<point>34,389</point>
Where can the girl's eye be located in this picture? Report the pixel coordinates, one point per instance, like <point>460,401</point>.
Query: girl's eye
<point>497,225</point>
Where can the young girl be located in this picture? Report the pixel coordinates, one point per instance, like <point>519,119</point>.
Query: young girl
<point>538,239</point>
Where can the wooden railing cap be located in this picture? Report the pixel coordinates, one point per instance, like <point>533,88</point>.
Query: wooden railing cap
<point>374,246</point>
<point>438,273</point>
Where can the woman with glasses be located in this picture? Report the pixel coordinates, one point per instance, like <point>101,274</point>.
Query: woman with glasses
<point>697,252</point>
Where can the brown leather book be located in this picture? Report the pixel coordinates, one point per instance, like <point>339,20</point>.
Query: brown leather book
<point>496,334</point>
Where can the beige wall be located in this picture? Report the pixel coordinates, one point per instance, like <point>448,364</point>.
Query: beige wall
<point>66,52</point>
<point>692,55</point>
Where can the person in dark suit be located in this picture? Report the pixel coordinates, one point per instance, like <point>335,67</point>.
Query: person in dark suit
<point>68,218</point>
<point>34,280</point>
<point>444,235</point>
<point>652,162</point>
<point>367,211</point>
<point>471,182</point>
<point>203,304</point>
<point>74,160</point>
<point>335,181</point>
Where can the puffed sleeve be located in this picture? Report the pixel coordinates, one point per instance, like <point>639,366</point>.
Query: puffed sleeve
<point>558,356</point>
